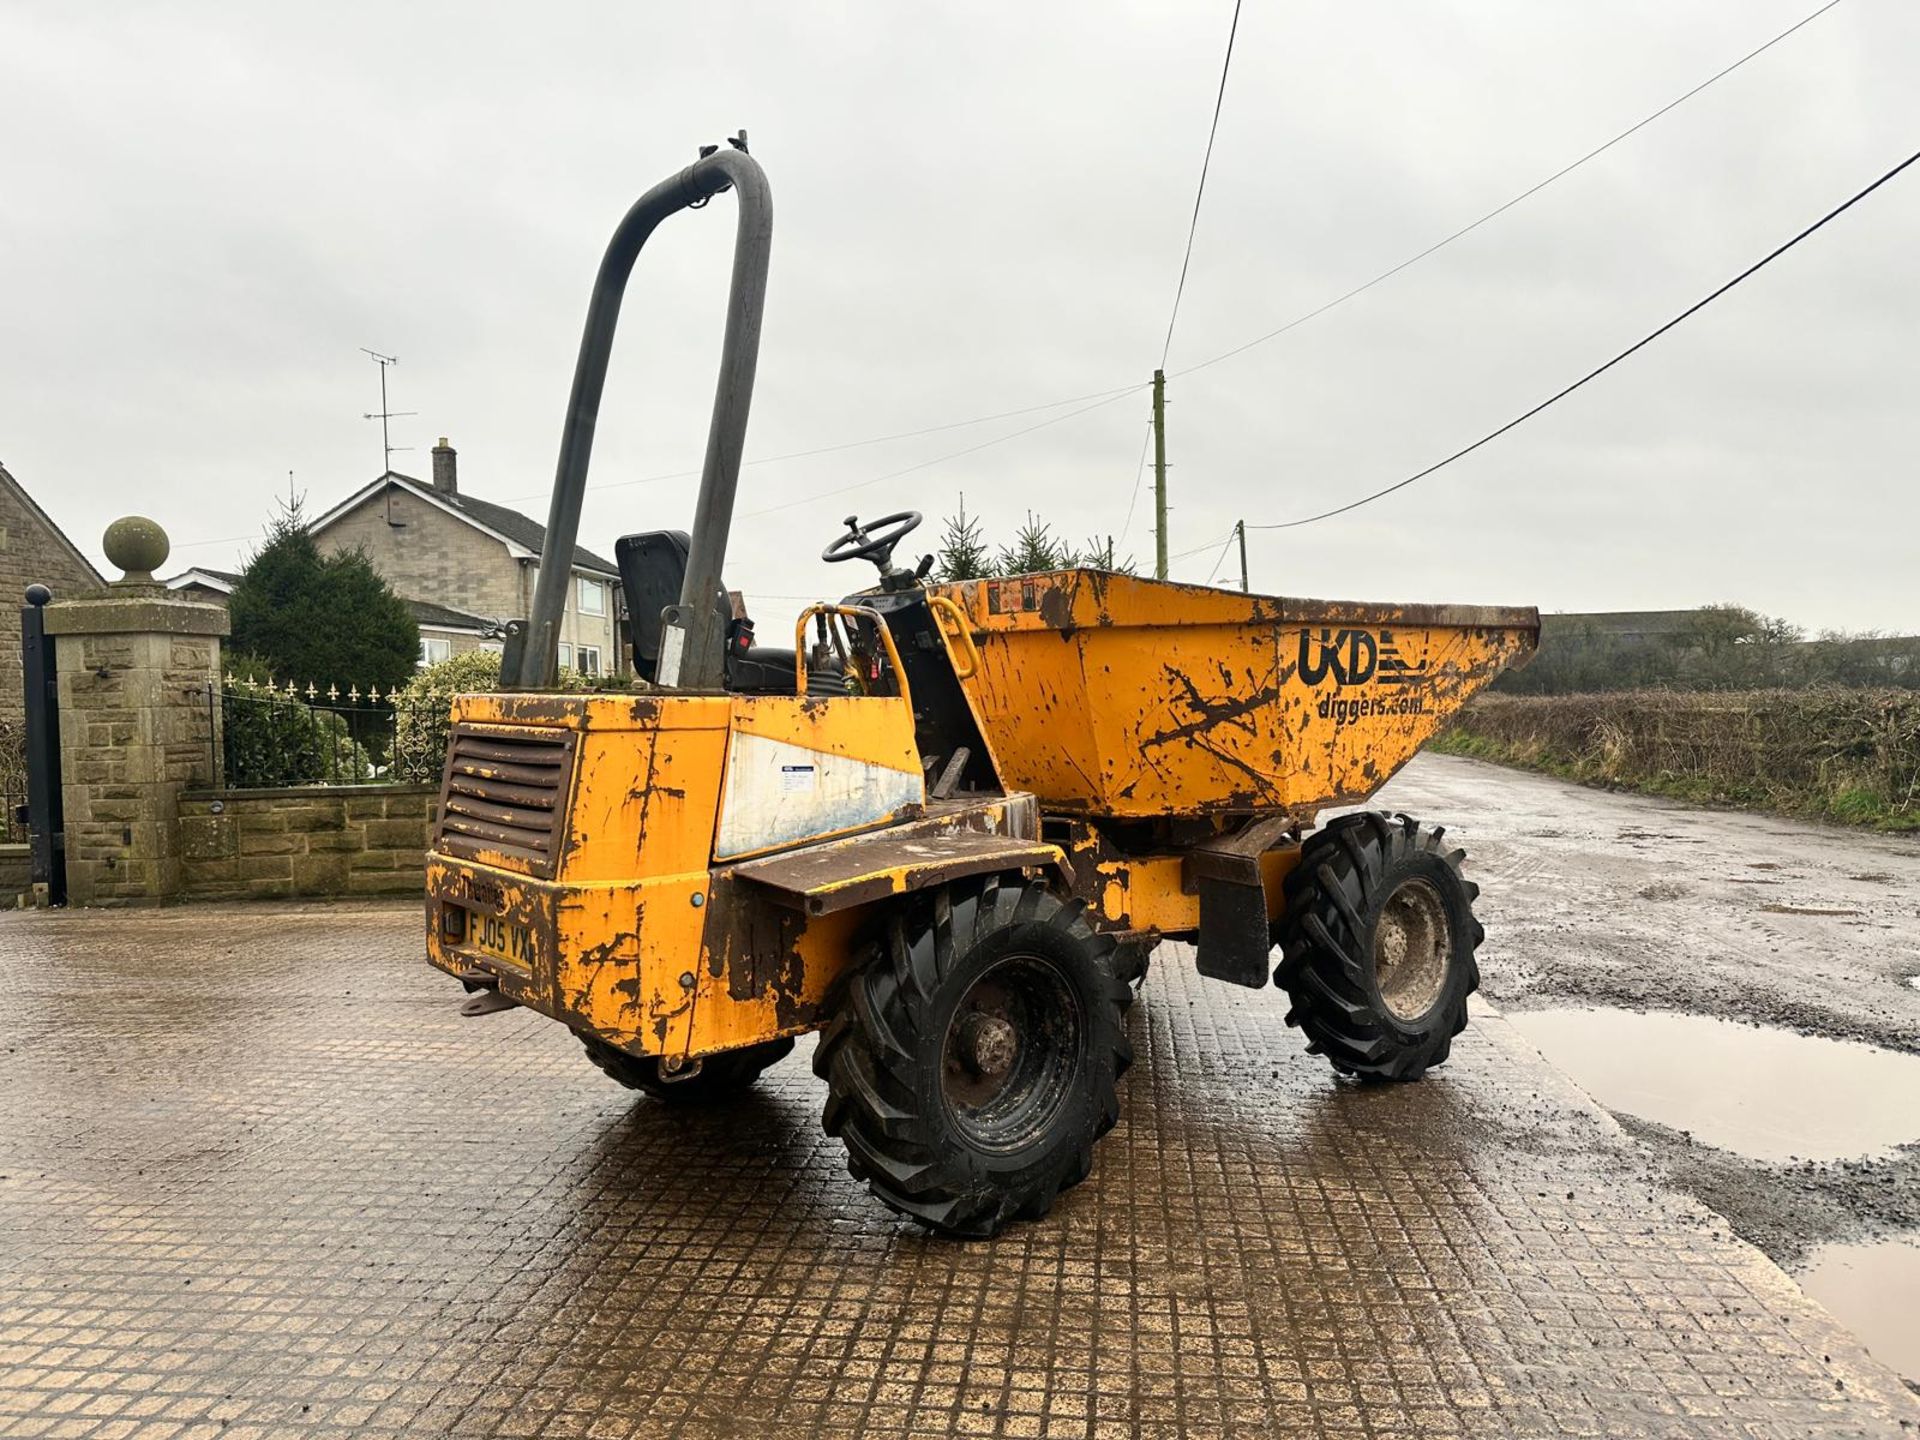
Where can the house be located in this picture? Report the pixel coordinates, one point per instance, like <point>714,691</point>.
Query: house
<point>463,565</point>
<point>467,564</point>
<point>443,631</point>
<point>33,551</point>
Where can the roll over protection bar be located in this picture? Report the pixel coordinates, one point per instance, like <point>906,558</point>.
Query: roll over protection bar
<point>694,643</point>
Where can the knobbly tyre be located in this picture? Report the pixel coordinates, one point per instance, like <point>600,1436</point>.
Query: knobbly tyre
<point>947,828</point>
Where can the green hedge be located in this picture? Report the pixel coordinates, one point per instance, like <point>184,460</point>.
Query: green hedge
<point>1849,755</point>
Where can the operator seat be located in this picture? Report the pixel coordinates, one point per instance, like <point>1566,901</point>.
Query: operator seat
<point>653,567</point>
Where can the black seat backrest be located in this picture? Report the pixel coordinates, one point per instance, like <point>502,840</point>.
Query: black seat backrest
<point>653,567</point>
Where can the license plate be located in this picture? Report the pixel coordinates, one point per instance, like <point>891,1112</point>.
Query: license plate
<point>501,940</point>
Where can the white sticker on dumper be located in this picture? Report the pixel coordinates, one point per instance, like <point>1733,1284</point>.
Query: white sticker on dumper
<point>779,793</point>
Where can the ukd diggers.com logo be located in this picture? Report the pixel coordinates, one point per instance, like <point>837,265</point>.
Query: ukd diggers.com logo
<point>1349,656</point>
<point>1354,657</point>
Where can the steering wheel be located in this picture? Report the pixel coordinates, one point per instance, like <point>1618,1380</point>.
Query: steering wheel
<point>874,541</point>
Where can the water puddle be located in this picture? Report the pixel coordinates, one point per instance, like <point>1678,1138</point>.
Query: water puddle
<point>1768,1094</point>
<point>1873,1290</point>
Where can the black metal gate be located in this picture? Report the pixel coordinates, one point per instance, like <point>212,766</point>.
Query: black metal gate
<point>44,812</point>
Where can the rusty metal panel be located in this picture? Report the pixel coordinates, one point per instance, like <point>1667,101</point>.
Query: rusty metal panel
<point>823,879</point>
<point>1109,695</point>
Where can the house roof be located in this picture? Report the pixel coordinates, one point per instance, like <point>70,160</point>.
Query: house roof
<point>211,579</point>
<point>442,617</point>
<point>520,533</point>
<point>33,507</point>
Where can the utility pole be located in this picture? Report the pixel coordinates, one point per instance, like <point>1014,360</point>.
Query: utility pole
<point>383,414</point>
<point>1240,529</point>
<point>1159,474</point>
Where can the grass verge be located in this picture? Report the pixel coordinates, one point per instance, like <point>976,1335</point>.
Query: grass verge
<point>1845,755</point>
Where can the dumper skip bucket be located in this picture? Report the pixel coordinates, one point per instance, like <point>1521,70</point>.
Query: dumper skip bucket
<point>1110,695</point>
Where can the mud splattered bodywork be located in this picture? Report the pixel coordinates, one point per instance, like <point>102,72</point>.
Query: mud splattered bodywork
<point>680,874</point>
<point>578,868</point>
<point>1110,695</point>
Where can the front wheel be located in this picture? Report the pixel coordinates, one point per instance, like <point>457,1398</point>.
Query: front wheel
<point>1378,949</point>
<point>973,1061</point>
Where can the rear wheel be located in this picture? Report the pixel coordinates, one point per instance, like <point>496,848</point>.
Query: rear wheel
<point>714,1077</point>
<point>973,1061</point>
<point>1379,941</point>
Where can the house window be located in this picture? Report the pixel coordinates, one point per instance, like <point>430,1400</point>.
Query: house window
<point>566,656</point>
<point>589,661</point>
<point>593,597</point>
<point>434,649</point>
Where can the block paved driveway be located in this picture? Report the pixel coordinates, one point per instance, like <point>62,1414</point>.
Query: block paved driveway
<point>257,1177</point>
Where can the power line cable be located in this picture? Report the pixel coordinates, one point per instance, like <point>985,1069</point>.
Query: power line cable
<point>1531,190</point>
<point>1220,559</point>
<point>1197,550</point>
<point>1595,374</point>
<point>1139,473</point>
<point>1199,193</point>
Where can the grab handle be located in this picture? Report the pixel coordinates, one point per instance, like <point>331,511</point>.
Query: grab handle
<point>864,612</point>
<point>941,605</point>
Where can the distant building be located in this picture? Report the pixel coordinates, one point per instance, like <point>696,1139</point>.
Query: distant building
<point>465,566</point>
<point>473,559</point>
<point>33,551</point>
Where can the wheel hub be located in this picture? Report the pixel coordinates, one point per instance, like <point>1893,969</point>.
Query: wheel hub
<point>1412,944</point>
<point>988,1044</point>
<point>1011,1053</point>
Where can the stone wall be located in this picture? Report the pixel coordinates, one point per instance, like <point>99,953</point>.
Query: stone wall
<point>315,840</point>
<point>16,872</point>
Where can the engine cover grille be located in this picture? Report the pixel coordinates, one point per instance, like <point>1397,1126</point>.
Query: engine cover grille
<point>504,798</point>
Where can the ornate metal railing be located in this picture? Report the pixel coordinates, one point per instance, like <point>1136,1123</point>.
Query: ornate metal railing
<point>275,734</point>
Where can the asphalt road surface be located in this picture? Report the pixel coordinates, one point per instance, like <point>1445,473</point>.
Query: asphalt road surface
<point>1594,898</point>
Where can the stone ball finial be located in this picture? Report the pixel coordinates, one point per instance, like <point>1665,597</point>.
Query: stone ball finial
<point>138,546</point>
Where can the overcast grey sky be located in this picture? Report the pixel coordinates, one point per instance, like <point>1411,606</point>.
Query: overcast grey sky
<point>208,209</point>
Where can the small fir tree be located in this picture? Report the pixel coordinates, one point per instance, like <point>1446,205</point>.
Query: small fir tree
<point>963,553</point>
<point>324,619</point>
<point>1034,549</point>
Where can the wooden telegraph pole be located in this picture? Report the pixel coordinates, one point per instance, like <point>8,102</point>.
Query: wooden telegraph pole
<point>1160,474</point>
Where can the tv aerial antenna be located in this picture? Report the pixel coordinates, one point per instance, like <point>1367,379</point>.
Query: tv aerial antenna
<point>383,414</point>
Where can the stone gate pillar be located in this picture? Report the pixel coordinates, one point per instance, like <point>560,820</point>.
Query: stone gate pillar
<point>136,727</point>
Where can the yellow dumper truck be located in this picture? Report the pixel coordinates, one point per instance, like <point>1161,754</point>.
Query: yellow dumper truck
<point>948,826</point>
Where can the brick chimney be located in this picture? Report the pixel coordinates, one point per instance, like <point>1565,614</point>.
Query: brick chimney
<point>444,477</point>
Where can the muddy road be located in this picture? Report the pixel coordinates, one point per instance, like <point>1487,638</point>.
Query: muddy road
<point>1594,898</point>
<point>1638,942</point>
